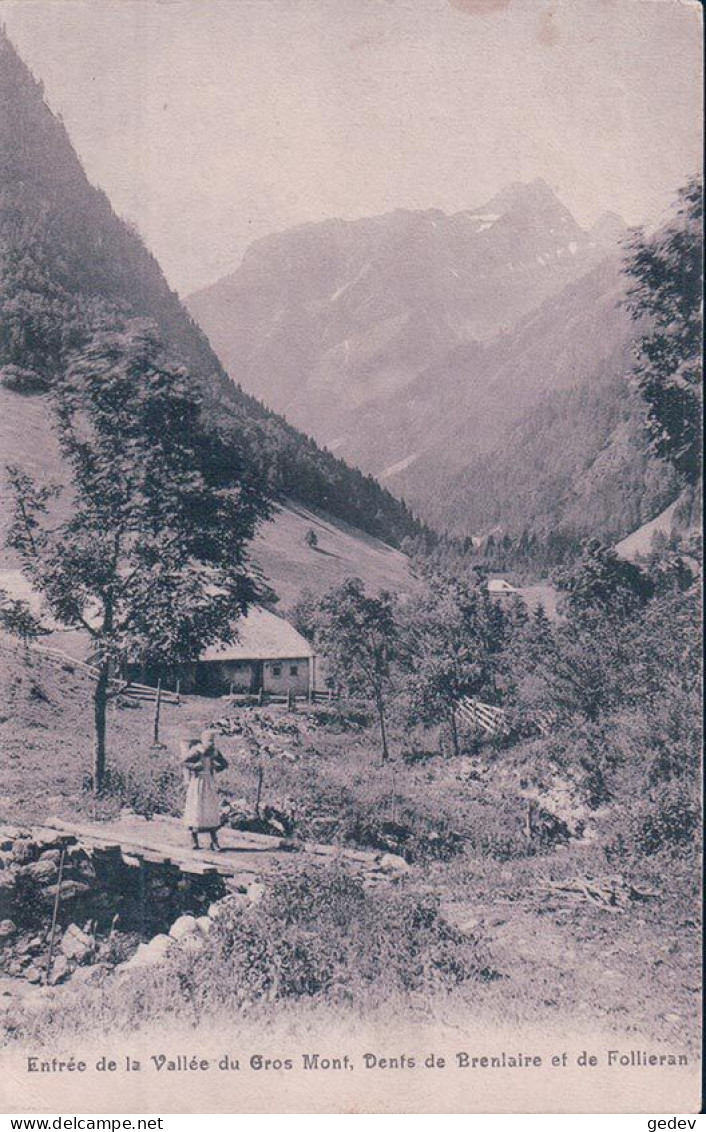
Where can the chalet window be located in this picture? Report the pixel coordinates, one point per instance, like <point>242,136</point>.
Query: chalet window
<point>276,669</point>
<point>294,670</point>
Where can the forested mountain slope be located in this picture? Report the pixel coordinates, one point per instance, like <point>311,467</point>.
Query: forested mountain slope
<point>67,261</point>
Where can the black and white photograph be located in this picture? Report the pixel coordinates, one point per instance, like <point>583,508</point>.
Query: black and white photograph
<point>350,556</point>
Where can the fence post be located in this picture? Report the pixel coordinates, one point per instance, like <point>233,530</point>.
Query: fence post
<point>54,915</point>
<point>260,777</point>
<point>157,708</point>
<point>178,689</point>
<point>259,698</point>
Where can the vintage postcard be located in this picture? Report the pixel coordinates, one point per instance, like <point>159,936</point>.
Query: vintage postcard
<point>350,556</point>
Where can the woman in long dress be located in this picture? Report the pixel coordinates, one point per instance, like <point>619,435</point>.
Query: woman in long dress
<point>202,813</point>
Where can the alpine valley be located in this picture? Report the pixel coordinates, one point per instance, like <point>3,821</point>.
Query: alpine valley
<point>475,363</point>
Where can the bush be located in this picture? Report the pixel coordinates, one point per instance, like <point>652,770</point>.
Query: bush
<point>144,789</point>
<point>671,825</point>
<point>323,936</point>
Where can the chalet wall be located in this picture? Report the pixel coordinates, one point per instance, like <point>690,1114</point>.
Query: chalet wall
<point>286,675</point>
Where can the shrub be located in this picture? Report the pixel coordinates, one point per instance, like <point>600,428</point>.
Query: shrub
<point>323,936</point>
<point>144,789</point>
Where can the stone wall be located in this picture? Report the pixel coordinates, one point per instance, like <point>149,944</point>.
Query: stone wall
<point>105,896</point>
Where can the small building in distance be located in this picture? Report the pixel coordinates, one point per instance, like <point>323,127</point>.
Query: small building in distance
<point>269,655</point>
<point>498,587</point>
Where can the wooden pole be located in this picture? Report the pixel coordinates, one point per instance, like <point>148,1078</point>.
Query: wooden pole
<point>157,707</point>
<point>528,820</point>
<point>141,884</point>
<point>54,915</point>
<point>178,689</point>
<point>260,777</point>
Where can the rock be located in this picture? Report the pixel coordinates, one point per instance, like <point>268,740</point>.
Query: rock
<point>234,900</point>
<point>7,929</point>
<point>33,974</point>
<point>29,946</point>
<point>41,871</point>
<point>70,889</point>
<point>149,954</point>
<point>60,970</point>
<point>25,851</point>
<point>204,924</point>
<point>7,893</point>
<point>88,975</point>
<point>9,834</point>
<point>183,927</point>
<point>392,863</point>
<point>76,944</point>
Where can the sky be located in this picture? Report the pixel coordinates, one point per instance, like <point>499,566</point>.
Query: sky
<point>210,123</point>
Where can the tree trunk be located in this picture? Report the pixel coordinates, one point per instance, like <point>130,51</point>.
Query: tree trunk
<point>100,703</point>
<point>383,729</point>
<point>454,731</point>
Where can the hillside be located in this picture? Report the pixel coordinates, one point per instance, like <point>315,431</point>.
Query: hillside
<point>68,265</point>
<point>290,565</point>
<point>574,463</point>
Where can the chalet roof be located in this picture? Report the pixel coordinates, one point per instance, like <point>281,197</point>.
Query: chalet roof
<point>262,636</point>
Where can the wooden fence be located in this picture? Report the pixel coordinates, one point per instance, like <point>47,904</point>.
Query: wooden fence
<point>117,686</point>
<point>290,699</point>
<point>477,715</point>
<point>495,721</point>
<point>470,712</point>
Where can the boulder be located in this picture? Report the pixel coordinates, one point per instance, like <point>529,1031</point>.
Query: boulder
<point>392,863</point>
<point>8,928</point>
<point>70,890</point>
<point>29,946</point>
<point>149,954</point>
<point>7,892</point>
<point>88,975</point>
<point>25,851</point>
<point>204,924</point>
<point>41,871</point>
<point>76,944</point>
<point>60,970</point>
<point>183,927</point>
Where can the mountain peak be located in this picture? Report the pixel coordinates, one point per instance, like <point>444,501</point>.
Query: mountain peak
<point>525,196</point>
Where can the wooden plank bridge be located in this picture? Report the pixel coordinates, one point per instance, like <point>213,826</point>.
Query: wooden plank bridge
<point>244,856</point>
